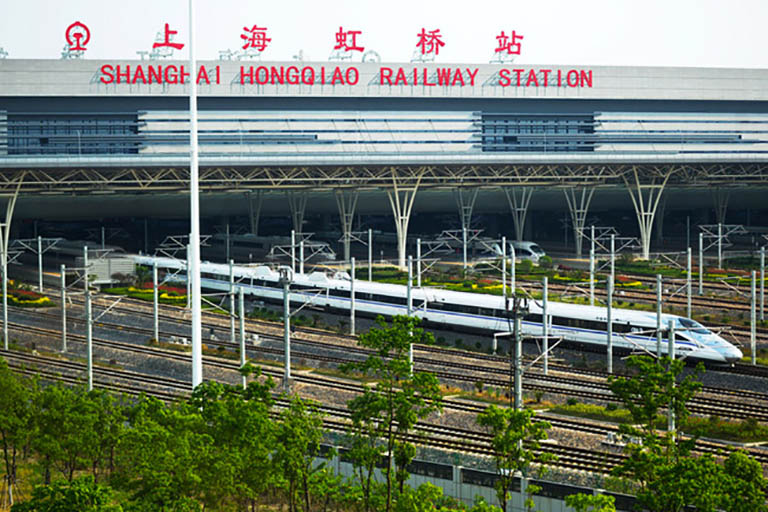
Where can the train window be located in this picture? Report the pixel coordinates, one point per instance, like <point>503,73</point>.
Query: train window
<point>431,469</point>
<point>533,318</point>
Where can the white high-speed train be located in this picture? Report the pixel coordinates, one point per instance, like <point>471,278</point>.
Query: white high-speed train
<point>632,330</point>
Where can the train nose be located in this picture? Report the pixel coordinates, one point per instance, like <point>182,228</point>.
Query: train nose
<point>733,355</point>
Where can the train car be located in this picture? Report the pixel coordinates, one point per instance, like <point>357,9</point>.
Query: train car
<point>577,324</point>
<point>248,247</point>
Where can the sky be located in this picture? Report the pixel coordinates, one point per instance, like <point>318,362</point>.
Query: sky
<point>695,33</point>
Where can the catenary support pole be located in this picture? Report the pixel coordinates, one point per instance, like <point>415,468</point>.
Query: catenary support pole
<point>103,239</point>
<point>671,352</point>
<point>613,257</point>
<point>753,319</point>
<point>287,332</point>
<point>545,322</point>
<point>418,262</point>
<point>194,215</point>
<point>241,316</point>
<point>719,245</point>
<point>609,324</point>
<point>155,319</point>
<point>504,270</point>
<point>658,315</point>
<point>232,338</point>
<point>409,298</point>
<point>4,262</point>
<point>40,264</point>
<point>352,297</point>
<point>464,247</point>
<point>370,254</point>
<point>301,257</point>
<point>63,308</point>
<point>512,269</point>
<point>293,251</point>
<point>592,277</point>
<point>701,263</point>
<point>228,253</point>
<point>762,283</point>
<point>189,280</point>
<point>688,285</point>
<point>518,340</point>
<point>88,321</point>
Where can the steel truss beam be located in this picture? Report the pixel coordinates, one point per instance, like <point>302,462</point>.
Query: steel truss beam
<point>227,179</point>
<point>645,194</point>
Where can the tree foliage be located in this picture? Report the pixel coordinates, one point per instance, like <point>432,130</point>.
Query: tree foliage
<point>81,494</point>
<point>390,409</point>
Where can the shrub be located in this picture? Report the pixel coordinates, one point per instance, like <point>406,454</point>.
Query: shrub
<point>571,401</point>
<point>545,262</point>
<point>525,266</point>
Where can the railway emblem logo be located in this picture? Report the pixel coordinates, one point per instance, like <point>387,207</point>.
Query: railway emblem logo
<point>77,36</point>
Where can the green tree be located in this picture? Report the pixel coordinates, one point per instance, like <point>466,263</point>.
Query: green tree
<point>16,422</point>
<point>400,398</point>
<point>515,445</point>
<point>591,502</point>
<point>745,485</point>
<point>299,435</point>
<point>243,434</point>
<point>81,494</point>
<point>161,457</point>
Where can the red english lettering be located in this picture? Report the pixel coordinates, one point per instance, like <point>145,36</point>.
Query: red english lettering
<point>585,78</point>
<point>243,74</point>
<point>106,70</point>
<point>292,75</point>
<point>173,78</point>
<point>457,76</point>
<point>126,75</point>
<point>504,80</point>
<point>443,75</point>
<point>308,78</point>
<point>202,73</point>
<point>532,78</point>
<point>259,79</point>
<point>139,73</point>
<point>400,77</point>
<point>276,74</point>
<point>426,79</point>
<point>155,74</point>
<point>472,76</point>
<point>518,72</point>
<point>385,74</point>
<point>573,74</point>
<point>545,73</point>
<point>337,76</point>
<point>351,77</point>
<point>184,75</point>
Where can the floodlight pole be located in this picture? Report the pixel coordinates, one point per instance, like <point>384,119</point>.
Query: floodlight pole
<point>40,263</point>
<point>762,283</point>
<point>232,301</point>
<point>241,297</point>
<point>88,321</point>
<point>63,309</point>
<point>155,293</point>
<point>352,297</point>
<point>609,324</point>
<point>658,315</point>
<point>194,212</point>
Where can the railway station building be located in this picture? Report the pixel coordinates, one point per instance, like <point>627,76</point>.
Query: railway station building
<point>89,139</point>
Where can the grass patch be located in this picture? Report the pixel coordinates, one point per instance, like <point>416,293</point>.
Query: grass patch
<point>593,412</point>
<point>747,431</point>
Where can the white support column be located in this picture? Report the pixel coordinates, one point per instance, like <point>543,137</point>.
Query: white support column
<point>753,319</point>
<point>658,315</point>
<point>297,202</point>
<point>671,353</point>
<point>578,205</point>
<point>241,316</point>
<point>346,201</point>
<point>352,297</point>
<point>194,213</point>
<point>545,322</point>
<point>513,270</point>
<point>88,321</point>
<point>418,262</point>
<point>719,245</point>
<point>645,198</point>
<point>464,248</point>
<point>189,280</point>
<point>155,293</point>
<point>293,251</point>
<point>255,200</point>
<point>228,241</point>
<point>301,257</point>
<point>504,270</point>
<point>689,285</point>
<point>465,200</point>
<point>518,340</point>
<point>409,288</point>
<point>40,264</point>
<point>609,325</point>
<point>370,254</point>
<point>518,207</point>
<point>613,257</point>
<point>762,283</point>
<point>401,199</point>
<point>63,308</point>
<point>287,331</point>
<point>5,231</point>
<point>232,338</point>
<point>591,277</point>
<point>721,196</point>
<point>701,263</point>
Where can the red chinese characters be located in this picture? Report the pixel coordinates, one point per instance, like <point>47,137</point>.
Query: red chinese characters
<point>167,42</point>
<point>77,35</point>
<point>347,41</point>
<point>509,44</point>
<point>430,42</point>
<point>255,37</point>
